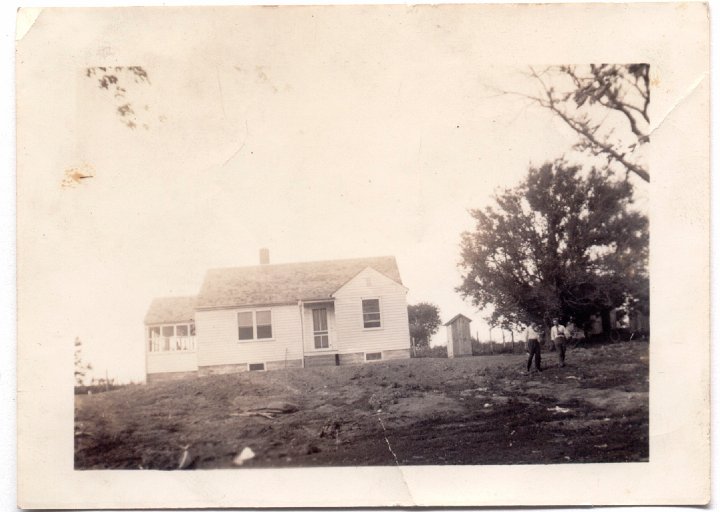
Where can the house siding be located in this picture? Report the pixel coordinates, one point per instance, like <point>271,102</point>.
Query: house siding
<point>217,332</point>
<point>282,365</point>
<point>169,362</point>
<point>394,333</point>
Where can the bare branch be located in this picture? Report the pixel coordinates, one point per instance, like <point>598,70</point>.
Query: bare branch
<point>604,95</point>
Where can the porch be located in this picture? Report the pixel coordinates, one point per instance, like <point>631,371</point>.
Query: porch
<point>319,332</point>
<point>171,338</point>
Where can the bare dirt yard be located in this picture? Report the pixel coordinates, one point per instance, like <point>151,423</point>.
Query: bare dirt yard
<point>473,410</point>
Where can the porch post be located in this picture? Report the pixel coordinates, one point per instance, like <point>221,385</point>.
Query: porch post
<point>301,308</point>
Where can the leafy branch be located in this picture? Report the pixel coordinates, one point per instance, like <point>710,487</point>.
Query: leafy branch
<point>574,94</point>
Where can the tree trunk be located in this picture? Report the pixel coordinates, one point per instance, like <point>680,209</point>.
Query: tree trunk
<point>606,323</point>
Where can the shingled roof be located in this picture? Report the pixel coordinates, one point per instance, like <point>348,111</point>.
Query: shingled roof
<point>286,283</point>
<point>459,315</point>
<point>167,310</point>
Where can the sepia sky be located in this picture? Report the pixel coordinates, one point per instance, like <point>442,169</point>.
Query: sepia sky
<point>284,129</point>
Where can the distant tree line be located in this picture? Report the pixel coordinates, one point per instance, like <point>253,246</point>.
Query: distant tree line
<point>82,370</point>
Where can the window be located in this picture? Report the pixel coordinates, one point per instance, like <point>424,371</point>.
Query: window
<point>154,339</point>
<point>168,331</point>
<point>170,338</point>
<point>256,367</point>
<point>182,342</point>
<point>255,325</point>
<point>264,325</point>
<point>371,313</point>
<point>373,356</point>
<point>245,325</point>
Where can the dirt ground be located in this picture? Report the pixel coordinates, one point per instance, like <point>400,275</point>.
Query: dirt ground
<point>472,410</point>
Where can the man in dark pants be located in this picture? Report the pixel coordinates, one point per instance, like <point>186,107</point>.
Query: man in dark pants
<point>532,337</point>
<point>559,337</point>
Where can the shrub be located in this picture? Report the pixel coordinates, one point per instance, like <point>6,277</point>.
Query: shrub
<point>100,387</point>
<point>437,351</point>
<point>478,349</point>
<point>492,347</point>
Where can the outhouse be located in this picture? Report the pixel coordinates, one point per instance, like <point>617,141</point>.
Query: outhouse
<point>458,336</point>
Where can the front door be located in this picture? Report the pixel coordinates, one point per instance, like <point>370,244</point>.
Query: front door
<point>320,328</point>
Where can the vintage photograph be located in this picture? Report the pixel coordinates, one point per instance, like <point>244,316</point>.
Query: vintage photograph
<point>346,237</point>
<point>461,295</point>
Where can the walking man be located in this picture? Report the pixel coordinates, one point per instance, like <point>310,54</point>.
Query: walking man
<point>559,337</point>
<point>532,337</point>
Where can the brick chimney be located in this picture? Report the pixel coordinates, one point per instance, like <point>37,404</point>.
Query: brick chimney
<point>264,256</point>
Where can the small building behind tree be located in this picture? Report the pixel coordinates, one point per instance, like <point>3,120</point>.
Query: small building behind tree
<point>458,336</point>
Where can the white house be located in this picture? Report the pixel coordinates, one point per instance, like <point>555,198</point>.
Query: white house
<point>268,317</point>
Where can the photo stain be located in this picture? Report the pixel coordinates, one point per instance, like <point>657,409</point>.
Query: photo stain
<point>75,175</point>
<point>117,80</point>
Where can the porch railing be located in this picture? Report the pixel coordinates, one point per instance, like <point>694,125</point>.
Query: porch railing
<point>172,344</point>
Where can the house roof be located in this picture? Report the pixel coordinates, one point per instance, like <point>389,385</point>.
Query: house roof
<point>167,310</point>
<point>456,317</point>
<point>286,283</point>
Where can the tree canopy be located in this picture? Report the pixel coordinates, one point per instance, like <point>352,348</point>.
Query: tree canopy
<point>424,321</point>
<point>565,241</point>
<point>605,104</point>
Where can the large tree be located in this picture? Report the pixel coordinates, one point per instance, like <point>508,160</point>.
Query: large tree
<point>424,319</point>
<point>606,105</point>
<point>565,241</point>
